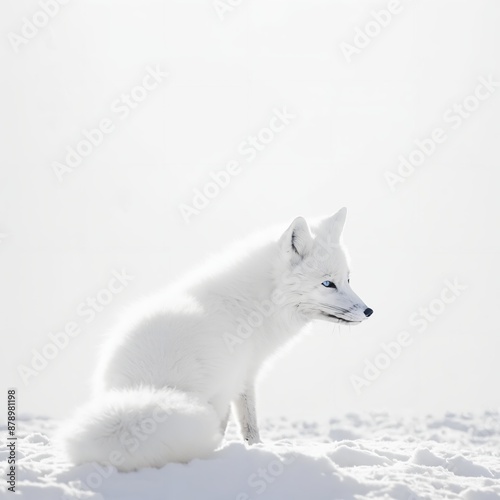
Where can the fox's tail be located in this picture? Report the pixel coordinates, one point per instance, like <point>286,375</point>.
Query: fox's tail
<point>144,427</point>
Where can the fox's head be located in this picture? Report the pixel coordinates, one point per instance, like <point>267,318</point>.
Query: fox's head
<point>314,272</point>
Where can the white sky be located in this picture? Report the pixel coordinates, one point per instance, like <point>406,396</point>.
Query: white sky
<point>120,208</point>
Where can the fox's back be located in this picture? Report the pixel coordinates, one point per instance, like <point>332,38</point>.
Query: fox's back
<point>181,347</point>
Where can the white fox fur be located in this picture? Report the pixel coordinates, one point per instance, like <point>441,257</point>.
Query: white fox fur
<point>169,375</point>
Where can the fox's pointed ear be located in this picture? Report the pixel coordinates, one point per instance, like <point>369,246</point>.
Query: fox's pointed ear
<point>297,240</point>
<point>334,225</point>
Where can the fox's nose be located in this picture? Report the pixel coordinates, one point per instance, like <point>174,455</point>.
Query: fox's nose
<point>368,312</point>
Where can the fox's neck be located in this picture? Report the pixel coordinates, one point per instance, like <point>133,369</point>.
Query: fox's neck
<point>248,293</point>
<point>243,284</point>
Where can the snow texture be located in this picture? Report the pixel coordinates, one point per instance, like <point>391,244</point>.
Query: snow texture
<point>357,456</point>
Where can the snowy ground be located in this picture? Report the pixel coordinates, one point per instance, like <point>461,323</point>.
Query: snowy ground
<point>353,457</point>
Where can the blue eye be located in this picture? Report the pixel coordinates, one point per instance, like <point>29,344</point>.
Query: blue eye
<point>329,284</point>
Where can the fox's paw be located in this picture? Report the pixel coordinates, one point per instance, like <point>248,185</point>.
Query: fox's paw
<point>251,440</point>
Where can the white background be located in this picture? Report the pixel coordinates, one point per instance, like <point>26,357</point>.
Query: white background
<point>119,209</point>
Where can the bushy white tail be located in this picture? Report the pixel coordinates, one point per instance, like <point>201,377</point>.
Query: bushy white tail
<point>144,427</point>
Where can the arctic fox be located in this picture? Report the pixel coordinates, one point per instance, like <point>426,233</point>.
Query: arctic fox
<point>169,376</point>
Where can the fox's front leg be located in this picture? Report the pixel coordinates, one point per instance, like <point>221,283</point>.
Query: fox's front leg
<point>224,422</point>
<point>247,418</point>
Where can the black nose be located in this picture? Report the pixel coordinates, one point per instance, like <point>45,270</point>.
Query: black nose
<point>368,312</point>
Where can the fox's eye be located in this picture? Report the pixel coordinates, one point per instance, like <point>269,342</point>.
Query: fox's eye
<point>329,284</point>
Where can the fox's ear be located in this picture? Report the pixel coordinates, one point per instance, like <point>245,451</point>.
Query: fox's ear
<point>297,240</point>
<point>334,225</point>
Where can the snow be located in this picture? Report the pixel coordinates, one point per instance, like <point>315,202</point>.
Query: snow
<point>355,456</point>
